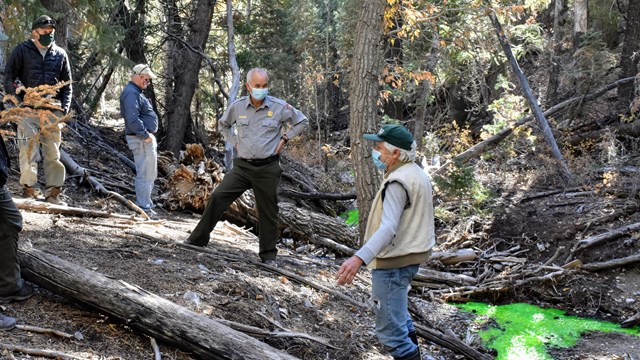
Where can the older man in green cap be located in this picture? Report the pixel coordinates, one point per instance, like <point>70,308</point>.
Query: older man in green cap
<point>399,237</point>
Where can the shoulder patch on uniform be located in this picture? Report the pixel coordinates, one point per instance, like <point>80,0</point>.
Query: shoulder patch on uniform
<point>287,106</point>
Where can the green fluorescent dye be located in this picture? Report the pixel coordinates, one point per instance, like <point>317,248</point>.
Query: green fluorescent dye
<point>525,331</point>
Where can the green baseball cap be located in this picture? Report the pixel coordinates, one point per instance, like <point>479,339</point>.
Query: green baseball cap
<point>396,135</point>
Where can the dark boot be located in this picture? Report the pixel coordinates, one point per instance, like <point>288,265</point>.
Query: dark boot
<point>414,338</point>
<point>415,356</point>
<point>7,322</point>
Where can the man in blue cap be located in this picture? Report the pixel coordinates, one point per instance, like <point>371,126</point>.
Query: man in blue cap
<point>398,238</point>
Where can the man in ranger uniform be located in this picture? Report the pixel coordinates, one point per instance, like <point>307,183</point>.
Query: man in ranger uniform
<point>260,122</point>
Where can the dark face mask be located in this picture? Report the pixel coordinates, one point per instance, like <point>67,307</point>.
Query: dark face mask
<point>46,39</point>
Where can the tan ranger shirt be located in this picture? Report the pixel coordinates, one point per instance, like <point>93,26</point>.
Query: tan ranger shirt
<point>259,130</point>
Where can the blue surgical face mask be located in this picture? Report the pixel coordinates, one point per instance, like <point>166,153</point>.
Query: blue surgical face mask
<point>259,94</point>
<point>375,155</point>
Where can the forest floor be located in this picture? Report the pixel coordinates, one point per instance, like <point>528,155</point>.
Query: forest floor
<point>237,290</point>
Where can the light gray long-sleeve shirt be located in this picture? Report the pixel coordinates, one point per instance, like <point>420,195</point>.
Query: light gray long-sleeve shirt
<point>395,201</point>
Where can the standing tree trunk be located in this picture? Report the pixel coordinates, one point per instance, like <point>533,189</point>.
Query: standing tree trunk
<point>366,70</point>
<point>185,73</point>
<point>580,13</point>
<point>559,14</point>
<point>173,26</point>
<point>630,57</point>
<point>134,24</point>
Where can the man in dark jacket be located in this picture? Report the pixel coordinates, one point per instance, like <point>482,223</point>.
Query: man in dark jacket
<point>12,287</point>
<point>35,62</point>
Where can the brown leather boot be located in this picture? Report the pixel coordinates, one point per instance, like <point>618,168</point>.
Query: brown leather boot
<point>30,192</point>
<point>54,197</point>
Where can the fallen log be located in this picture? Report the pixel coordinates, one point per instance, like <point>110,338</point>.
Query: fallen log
<point>632,321</point>
<point>310,224</point>
<point>428,275</point>
<point>600,238</point>
<point>628,129</point>
<point>143,311</point>
<point>443,337</point>
<point>612,263</point>
<point>74,169</point>
<point>450,342</point>
<point>39,352</point>
<point>31,205</point>
<point>456,257</point>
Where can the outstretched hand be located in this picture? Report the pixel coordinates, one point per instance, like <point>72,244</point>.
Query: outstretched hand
<point>348,270</point>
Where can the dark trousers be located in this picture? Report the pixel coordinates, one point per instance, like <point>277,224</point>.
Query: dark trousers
<point>10,226</point>
<point>264,181</point>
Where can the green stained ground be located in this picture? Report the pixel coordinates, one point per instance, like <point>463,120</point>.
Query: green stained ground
<point>526,331</point>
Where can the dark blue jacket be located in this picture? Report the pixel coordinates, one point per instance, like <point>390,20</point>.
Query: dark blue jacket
<point>27,64</point>
<point>137,112</point>
<point>4,163</point>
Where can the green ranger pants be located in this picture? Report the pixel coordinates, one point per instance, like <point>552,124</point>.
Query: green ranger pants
<point>10,226</point>
<point>264,181</point>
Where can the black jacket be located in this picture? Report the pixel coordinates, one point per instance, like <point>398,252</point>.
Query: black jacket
<point>4,163</point>
<point>27,64</point>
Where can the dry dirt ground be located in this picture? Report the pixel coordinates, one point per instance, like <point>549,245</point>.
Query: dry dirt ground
<point>231,288</point>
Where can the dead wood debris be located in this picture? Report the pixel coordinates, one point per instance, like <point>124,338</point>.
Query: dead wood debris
<point>62,334</point>
<point>191,179</point>
<point>32,205</point>
<point>156,349</point>
<point>39,352</point>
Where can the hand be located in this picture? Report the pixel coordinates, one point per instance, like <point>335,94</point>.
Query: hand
<point>280,146</point>
<point>148,140</point>
<point>348,270</point>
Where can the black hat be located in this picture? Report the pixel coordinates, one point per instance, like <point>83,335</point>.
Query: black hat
<point>43,21</point>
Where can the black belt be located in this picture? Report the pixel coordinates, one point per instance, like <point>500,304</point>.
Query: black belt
<point>262,162</point>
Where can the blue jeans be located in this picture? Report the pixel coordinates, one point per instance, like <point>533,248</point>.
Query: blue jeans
<point>145,156</point>
<point>390,291</point>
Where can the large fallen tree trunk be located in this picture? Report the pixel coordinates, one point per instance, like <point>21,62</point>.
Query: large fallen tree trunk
<point>310,224</point>
<point>143,311</point>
